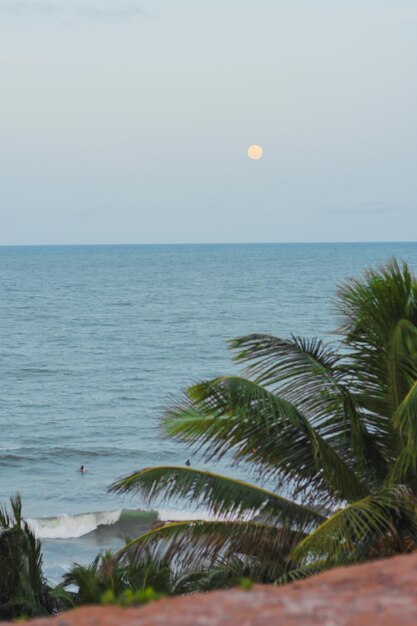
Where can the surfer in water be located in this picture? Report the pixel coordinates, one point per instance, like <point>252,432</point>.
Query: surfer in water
<point>82,469</point>
<point>187,462</point>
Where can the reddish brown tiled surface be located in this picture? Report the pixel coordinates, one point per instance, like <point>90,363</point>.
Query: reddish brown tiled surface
<point>382,593</point>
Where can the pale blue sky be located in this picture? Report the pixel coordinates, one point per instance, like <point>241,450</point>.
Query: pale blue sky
<point>129,121</point>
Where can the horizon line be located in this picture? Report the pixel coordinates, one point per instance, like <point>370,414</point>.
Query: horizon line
<point>200,243</point>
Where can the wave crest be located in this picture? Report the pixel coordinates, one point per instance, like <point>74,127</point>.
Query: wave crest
<point>121,523</point>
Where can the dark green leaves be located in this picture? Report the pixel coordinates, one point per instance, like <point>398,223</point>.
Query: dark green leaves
<point>23,589</point>
<point>355,529</point>
<point>203,545</point>
<point>335,428</point>
<point>237,415</point>
<point>222,496</point>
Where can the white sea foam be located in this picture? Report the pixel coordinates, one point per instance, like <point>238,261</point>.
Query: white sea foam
<point>72,526</point>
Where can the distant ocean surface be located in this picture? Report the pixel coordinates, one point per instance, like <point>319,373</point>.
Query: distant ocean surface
<point>96,340</point>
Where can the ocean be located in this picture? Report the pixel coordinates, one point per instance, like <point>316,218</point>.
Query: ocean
<point>96,341</point>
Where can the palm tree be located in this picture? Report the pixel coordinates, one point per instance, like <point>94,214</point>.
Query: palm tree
<point>23,588</point>
<point>332,430</point>
<point>101,579</point>
<point>102,582</point>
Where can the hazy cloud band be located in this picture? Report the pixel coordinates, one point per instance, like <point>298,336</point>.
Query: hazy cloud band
<point>87,8</point>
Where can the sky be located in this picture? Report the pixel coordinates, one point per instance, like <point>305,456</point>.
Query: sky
<point>129,121</point>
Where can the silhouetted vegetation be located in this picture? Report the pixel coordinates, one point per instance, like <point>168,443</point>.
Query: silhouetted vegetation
<point>23,588</point>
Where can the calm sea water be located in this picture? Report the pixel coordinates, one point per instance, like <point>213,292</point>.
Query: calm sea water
<point>95,340</point>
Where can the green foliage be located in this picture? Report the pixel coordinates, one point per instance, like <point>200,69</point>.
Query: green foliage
<point>102,583</point>
<point>334,429</point>
<point>246,584</point>
<point>227,497</point>
<point>129,597</point>
<point>23,589</point>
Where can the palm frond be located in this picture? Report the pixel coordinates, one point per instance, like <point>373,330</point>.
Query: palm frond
<point>304,571</point>
<point>237,415</point>
<point>314,378</point>
<point>352,531</point>
<point>375,310</point>
<point>200,545</point>
<point>222,496</point>
<point>23,588</point>
<point>273,360</point>
<point>402,365</point>
<point>372,305</point>
<point>405,467</point>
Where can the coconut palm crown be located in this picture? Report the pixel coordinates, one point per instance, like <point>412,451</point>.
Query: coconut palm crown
<point>334,432</point>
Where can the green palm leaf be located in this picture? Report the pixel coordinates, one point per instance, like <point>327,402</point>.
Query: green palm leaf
<point>404,419</point>
<point>304,571</point>
<point>313,378</point>
<point>222,496</point>
<point>200,545</point>
<point>23,588</point>
<point>273,360</point>
<point>356,528</point>
<point>374,311</point>
<point>231,413</point>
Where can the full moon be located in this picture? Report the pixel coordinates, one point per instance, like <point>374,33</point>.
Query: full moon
<point>255,152</point>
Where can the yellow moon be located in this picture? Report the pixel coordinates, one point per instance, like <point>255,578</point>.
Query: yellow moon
<point>255,152</point>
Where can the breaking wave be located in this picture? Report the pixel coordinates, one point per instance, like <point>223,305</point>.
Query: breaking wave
<point>114,523</point>
<point>122,523</point>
